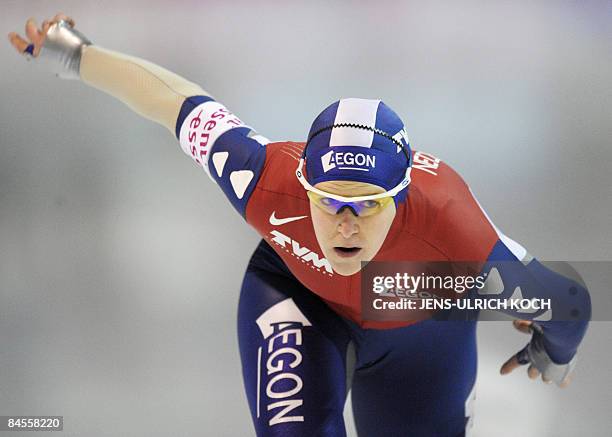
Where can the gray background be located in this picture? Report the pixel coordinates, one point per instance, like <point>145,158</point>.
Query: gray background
<point>120,262</point>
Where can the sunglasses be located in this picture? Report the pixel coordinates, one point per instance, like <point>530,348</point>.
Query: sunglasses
<point>361,208</point>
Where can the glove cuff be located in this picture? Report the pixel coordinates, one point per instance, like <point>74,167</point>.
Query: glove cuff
<point>542,361</point>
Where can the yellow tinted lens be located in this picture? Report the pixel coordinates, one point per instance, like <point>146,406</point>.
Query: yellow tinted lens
<point>371,207</point>
<point>322,202</point>
<point>363,208</point>
<point>366,208</point>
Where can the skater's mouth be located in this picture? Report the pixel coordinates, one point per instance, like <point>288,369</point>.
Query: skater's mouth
<point>346,252</point>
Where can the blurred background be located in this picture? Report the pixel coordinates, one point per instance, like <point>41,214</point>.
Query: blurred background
<point>120,262</point>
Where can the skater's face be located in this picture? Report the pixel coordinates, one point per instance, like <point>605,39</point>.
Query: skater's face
<point>347,239</point>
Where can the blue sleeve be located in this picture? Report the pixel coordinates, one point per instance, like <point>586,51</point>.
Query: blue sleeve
<point>230,152</point>
<point>565,323</point>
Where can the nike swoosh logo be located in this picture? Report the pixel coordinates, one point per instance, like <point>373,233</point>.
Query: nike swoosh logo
<point>282,221</point>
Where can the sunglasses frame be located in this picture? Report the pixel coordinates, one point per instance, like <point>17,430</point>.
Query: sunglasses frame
<point>352,205</point>
<point>391,193</point>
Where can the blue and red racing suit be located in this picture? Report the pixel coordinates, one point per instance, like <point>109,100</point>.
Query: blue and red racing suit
<point>303,340</point>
